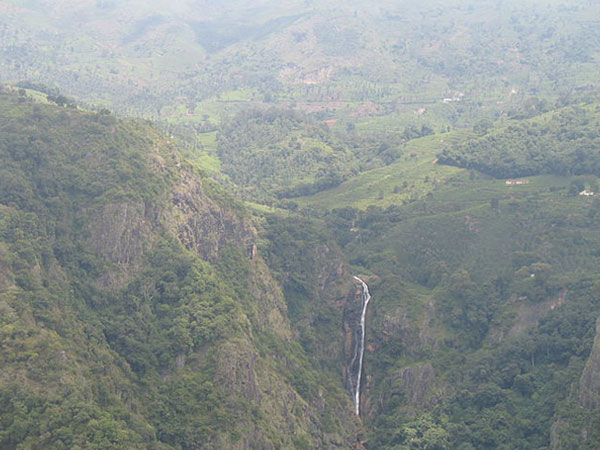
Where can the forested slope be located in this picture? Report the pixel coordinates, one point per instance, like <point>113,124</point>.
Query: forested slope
<point>482,332</point>
<point>136,310</point>
<point>563,142</point>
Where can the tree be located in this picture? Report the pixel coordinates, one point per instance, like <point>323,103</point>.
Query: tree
<point>423,433</point>
<point>577,185</point>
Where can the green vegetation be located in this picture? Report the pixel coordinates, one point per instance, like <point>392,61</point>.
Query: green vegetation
<point>412,176</point>
<point>193,289</point>
<point>565,143</point>
<point>282,152</point>
<point>484,309</point>
<point>285,154</point>
<point>351,62</point>
<point>118,328</point>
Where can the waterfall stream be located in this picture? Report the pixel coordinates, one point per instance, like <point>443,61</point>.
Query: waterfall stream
<point>359,348</point>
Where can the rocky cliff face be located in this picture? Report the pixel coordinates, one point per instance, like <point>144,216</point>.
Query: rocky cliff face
<point>207,227</point>
<point>406,330</point>
<point>589,385</point>
<point>202,224</point>
<point>122,233</point>
<point>119,233</point>
<point>415,333</point>
<point>268,297</point>
<point>316,284</point>
<point>413,385</point>
<point>582,425</point>
<point>337,293</point>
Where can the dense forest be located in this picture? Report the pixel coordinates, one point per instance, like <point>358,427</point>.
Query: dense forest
<point>284,153</point>
<point>565,142</point>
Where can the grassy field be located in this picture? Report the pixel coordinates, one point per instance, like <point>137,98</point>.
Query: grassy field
<point>206,155</point>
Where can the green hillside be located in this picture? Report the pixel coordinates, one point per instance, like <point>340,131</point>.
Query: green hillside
<point>174,61</point>
<point>196,196</point>
<point>484,314</point>
<point>415,174</point>
<point>485,294</point>
<point>561,142</point>
<point>136,312</point>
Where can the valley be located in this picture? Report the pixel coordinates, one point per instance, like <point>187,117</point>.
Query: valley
<point>200,199</point>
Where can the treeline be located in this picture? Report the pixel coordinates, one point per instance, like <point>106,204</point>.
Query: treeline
<point>568,143</point>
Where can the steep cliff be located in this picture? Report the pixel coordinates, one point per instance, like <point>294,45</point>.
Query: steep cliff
<point>137,311</point>
<point>589,385</point>
<point>317,285</point>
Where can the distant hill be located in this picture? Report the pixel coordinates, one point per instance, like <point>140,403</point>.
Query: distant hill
<point>457,60</point>
<point>563,142</point>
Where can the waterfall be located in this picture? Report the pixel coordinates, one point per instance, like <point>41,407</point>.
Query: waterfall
<point>359,348</point>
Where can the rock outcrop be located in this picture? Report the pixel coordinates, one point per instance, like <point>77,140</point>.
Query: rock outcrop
<point>119,233</point>
<point>415,334</point>
<point>589,385</point>
<point>415,384</point>
<point>203,225</point>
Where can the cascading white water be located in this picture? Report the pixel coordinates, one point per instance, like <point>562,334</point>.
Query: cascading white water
<point>360,343</point>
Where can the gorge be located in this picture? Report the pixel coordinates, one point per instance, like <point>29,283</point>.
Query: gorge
<point>199,200</point>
